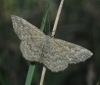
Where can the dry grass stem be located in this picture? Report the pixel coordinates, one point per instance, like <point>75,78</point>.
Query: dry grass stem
<point>42,76</point>
<point>57,18</point>
<point>53,33</point>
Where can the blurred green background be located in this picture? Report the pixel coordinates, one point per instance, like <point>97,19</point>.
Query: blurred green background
<point>79,23</point>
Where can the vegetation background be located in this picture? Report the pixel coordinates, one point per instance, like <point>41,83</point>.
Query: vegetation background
<point>79,23</point>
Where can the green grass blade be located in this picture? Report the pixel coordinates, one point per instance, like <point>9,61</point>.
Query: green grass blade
<point>31,66</point>
<point>45,17</point>
<point>47,29</point>
<point>30,74</point>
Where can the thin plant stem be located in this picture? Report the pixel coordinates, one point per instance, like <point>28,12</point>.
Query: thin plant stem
<point>43,75</point>
<point>53,33</point>
<point>57,18</point>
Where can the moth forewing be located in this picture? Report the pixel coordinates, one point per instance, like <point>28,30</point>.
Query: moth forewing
<point>24,29</point>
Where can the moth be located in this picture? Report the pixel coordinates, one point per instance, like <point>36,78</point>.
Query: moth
<point>54,53</point>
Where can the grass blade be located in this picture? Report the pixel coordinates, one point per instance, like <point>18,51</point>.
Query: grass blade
<point>45,17</point>
<point>30,74</point>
